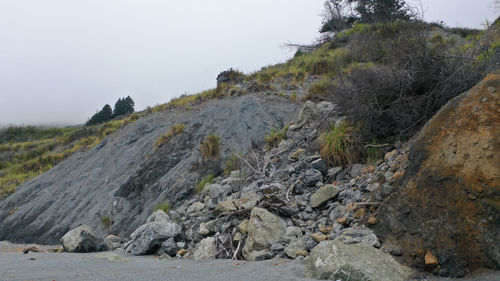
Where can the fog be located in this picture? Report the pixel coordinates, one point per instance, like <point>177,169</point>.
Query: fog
<point>60,60</point>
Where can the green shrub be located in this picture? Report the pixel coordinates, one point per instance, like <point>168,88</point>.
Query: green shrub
<point>232,164</point>
<point>210,147</point>
<point>106,221</point>
<point>204,181</point>
<point>176,129</point>
<point>318,89</point>
<point>274,137</point>
<point>164,206</point>
<point>338,145</point>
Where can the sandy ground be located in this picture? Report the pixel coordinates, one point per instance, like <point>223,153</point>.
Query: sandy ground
<point>14,265</point>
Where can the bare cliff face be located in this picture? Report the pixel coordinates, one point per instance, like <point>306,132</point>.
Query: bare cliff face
<point>124,177</point>
<point>449,206</point>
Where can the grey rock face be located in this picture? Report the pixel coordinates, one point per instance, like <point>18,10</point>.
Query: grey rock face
<point>149,237</point>
<point>126,177</point>
<point>82,240</point>
<point>206,249</point>
<point>323,194</point>
<point>335,260</point>
<point>264,229</point>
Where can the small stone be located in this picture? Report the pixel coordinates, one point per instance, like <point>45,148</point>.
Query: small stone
<point>396,177</point>
<point>372,220</point>
<point>360,213</point>
<point>318,237</point>
<point>323,194</point>
<point>243,226</point>
<point>303,253</point>
<point>196,207</point>
<point>430,259</point>
<point>342,220</point>
<point>297,153</point>
<point>390,155</point>
<point>297,245</point>
<point>182,252</point>
<point>326,230</point>
<point>368,169</point>
<point>226,206</point>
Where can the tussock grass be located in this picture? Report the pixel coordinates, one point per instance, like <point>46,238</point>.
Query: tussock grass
<point>164,206</point>
<point>338,144</point>
<point>176,129</point>
<point>204,181</point>
<point>210,147</point>
<point>275,136</point>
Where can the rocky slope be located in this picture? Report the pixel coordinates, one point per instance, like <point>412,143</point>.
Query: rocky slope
<point>125,176</point>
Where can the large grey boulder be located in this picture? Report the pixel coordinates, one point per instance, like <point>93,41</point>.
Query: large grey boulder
<point>82,240</point>
<point>323,194</point>
<point>206,249</point>
<point>150,236</point>
<point>264,229</point>
<point>335,260</point>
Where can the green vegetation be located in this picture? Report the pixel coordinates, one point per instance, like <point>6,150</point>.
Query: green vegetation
<point>164,206</point>
<point>318,89</point>
<point>123,106</point>
<point>210,147</point>
<point>204,181</point>
<point>274,137</point>
<point>106,221</point>
<point>232,164</point>
<point>338,145</point>
<point>26,152</point>
<point>176,129</point>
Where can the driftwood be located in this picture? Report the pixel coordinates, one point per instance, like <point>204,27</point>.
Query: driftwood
<point>34,249</point>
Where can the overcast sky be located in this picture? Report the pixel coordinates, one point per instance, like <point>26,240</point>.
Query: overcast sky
<point>62,60</point>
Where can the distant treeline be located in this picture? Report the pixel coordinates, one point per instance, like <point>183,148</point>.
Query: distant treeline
<point>123,106</point>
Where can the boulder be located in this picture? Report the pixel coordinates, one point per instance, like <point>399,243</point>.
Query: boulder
<point>295,246</point>
<point>335,260</point>
<point>320,165</point>
<point>158,216</point>
<point>82,240</point>
<point>306,114</point>
<point>169,247</point>
<point>264,228</point>
<point>149,237</point>
<point>353,235</point>
<point>196,207</point>
<point>448,204</point>
<point>206,249</point>
<point>312,177</point>
<point>323,194</point>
